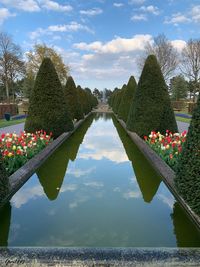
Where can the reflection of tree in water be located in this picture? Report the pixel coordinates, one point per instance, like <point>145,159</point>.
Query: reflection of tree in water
<point>147,178</point>
<point>5,216</point>
<point>104,116</point>
<point>187,235</point>
<point>52,172</point>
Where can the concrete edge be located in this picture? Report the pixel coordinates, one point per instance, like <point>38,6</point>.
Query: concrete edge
<point>167,174</point>
<point>100,256</point>
<point>18,179</point>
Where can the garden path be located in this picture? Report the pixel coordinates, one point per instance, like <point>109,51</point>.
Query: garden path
<point>182,126</point>
<point>13,128</point>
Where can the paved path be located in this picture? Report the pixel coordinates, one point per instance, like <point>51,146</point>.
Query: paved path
<point>13,128</point>
<point>182,126</point>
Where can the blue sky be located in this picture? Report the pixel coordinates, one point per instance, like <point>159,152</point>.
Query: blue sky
<point>100,40</point>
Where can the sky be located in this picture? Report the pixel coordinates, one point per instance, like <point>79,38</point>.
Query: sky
<point>101,40</point>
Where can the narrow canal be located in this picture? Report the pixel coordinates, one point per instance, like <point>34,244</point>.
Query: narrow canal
<point>96,190</point>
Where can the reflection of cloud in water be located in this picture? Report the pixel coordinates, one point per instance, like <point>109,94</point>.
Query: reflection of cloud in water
<point>78,172</point>
<point>78,201</point>
<point>95,146</point>
<point>116,189</point>
<point>94,184</point>
<point>167,200</point>
<point>26,194</point>
<point>132,194</point>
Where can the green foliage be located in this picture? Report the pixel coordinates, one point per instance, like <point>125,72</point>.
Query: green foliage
<point>117,99</point>
<point>4,186</point>
<point>151,108</point>
<point>178,88</point>
<point>47,109</point>
<point>188,174</point>
<point>127,99</point>
<point>72,100</point>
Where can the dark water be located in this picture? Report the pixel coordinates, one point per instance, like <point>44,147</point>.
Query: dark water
<point>97,190</point>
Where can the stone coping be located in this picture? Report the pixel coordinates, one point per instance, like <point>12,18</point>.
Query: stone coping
<point>99,257</point>
<point>167,174</point>
<point>18,179</point>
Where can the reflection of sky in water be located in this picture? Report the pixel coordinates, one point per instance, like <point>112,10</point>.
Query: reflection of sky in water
<point>99,203</point>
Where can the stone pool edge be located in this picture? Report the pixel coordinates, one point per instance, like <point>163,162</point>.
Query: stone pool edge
<point>20,177</point>
<point>163,169</point>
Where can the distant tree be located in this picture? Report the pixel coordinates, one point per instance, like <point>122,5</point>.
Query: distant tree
<point>72,100</point>
<point>48,109</point>
<point>36,56</point>
<point>127,99</point>
<point>28,84</point>
<point>97,93</point>
<point>151,108</point>
<point>178,88</point>
<point>188,175</point>
<point>165,53</point>
<point>11,62</point>
<point>190,64</point>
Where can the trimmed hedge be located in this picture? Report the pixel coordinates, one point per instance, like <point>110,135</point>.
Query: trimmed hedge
<point>47,109</point>
<point>151,107</point>
<point>71,96</point>
<point>4,185</point>
<point>127,99</point>
<point>188,174</point>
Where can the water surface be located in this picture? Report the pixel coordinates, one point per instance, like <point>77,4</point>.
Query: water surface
<point>97,190</point>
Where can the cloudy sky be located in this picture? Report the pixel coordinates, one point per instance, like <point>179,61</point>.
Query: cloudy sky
<point>99,39</point>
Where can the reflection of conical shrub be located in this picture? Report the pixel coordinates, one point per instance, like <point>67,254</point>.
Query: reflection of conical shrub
<point>148,180</point>
<point>187,235</point>
<point>52,172</point>
<point>5,215</point>
<point>77,138</point>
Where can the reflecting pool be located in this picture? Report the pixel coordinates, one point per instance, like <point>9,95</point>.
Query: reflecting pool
<point>96,190</point>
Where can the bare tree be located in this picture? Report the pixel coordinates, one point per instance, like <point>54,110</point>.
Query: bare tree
<point>190,64</point>
<point>11,63</point>
<point>165,53</point>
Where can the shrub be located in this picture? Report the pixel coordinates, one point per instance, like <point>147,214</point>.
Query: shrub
<point>188,173</point>
<point>4,186</point>
<point>72,100</point>
<point>47,109</point>
<point>127,99</point>
<point>151,108</point>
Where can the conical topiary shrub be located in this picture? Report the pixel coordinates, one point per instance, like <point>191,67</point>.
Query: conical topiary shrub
<point>4,184</point>
<point>72,100</point>
<point>151,107</point>
<point>127,99</point>
<point>188,173</point>
<point>47,109</point>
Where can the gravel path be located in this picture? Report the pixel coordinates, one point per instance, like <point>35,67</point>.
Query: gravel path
<point>182,126</point>
<point>13,128</point>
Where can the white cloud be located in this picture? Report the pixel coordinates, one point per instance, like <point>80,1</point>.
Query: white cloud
<point>195,13</point>
<point>25,5</point>
<point>33,5</point>
<point>71,27</point>
<point>52,5</point>
<point>5,14</point>
<point>117,45</point>
<point>178,44</point>
<point>176,19</point>
<point>118,4</point>
<point>139,17</point>
<point>150,9</point>
<point>136,2</point>
<point>91,12</point>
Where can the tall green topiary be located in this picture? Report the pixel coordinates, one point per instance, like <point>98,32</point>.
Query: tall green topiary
<point>127,99</point>
<point>188,174</point>
<point>47,109</point>
<point>72,100</point>
<point>4,185</point>
<point>151,107</point>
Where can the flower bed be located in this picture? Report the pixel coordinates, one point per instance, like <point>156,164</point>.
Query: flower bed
<point>18,149</point>
<point>168,146</point>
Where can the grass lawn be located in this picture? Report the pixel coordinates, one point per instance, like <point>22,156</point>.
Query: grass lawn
<point>183,119</point>
<point>4,123</point>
